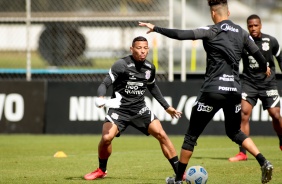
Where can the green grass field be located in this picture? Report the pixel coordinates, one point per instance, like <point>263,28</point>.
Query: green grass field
<point>135,159</point>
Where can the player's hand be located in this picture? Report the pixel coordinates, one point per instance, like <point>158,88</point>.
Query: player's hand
<point>268,72</point>
<point>111,103</point>
<point>148,25</point>
<point>173,112</point>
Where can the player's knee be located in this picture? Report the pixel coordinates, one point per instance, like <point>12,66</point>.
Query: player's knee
<point>189,142</point>
<point>107,139</point>
<point>237,137</point>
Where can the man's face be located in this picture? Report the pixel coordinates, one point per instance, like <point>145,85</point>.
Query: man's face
<point>254,27</point>
<point>140,50</point>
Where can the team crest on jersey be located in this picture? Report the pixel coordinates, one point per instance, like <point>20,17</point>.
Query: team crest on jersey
<point>265,46</point>
<point>148,74</point>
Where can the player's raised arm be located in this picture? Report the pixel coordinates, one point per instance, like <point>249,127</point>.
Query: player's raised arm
<point>177,34</point>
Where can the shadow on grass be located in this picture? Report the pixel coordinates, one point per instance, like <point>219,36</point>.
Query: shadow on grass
<point>75,178</point>
<point>152,181</point>
<point>216,158</point>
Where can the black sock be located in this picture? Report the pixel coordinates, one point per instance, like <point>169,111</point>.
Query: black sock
<point>174,163</point>
<point>241,149</point>
<point>180,172</point>
<point>260,158</point>
<point>103,164</point>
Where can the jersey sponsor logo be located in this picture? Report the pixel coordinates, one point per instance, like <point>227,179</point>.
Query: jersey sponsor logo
<point>148,74</point>
<point>133,88</point>
<point>132,77</point>
<point>226,77</point>
<point>237,108</point>
<point>203,107</point>
<point>144,109</point>
<point>224,88</point>
<point>135,83</point>
<point>275,98</point>
<point>273,92</point>
<point>265,39</point>
<point>226,27</point>
<point>265,46</point>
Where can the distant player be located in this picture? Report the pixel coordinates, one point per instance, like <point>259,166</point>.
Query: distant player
<point>130,77</point>
<point>224,43</point>
<point>257,86</point>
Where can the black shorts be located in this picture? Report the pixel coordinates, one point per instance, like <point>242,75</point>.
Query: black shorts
<point>268,95</point>
<point>207,105</point>
<point>139,120</point>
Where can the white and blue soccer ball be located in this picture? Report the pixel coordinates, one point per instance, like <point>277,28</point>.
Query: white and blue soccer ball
<point>196,175</point>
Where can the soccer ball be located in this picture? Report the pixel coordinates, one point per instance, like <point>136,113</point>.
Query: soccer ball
<point>196,175</point>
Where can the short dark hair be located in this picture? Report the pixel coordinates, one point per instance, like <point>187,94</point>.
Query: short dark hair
<point>216,2</point>
<point>139,38</point>
<point>253,16</point>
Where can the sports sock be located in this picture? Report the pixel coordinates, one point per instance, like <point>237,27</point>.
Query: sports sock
<point>180,172</point>
<point>174,163</point>
<point>103,164</point>
<point>241,149</point>
<point>260,158</point>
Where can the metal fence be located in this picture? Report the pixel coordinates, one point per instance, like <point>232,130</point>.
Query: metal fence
<point>75,40</point>
<point>66,40</point>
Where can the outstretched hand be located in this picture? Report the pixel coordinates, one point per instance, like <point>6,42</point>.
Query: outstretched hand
<point>173,112</point>
<point>148,25</point>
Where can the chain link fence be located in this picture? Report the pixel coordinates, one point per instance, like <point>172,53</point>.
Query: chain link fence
<point>66,40</point>
<point>70,40</point>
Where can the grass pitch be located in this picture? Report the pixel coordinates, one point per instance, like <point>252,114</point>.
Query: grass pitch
<point>135,159</point>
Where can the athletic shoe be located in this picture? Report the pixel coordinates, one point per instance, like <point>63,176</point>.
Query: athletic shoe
<point>178,182</point>
<point>239,157</point>
<point>281,148</point>
<point>98,173</point>
<point>266,171</point>
<point>183,177</point>
<point>171,180</point>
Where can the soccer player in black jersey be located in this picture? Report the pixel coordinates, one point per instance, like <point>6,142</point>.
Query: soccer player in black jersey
<point>256,86</point>
<point>130,77</point>
<point>224,42</point>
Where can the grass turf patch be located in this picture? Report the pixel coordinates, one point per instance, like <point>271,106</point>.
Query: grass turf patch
<point>135,159</point>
